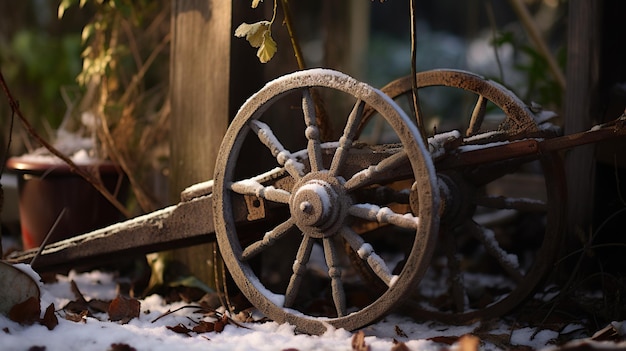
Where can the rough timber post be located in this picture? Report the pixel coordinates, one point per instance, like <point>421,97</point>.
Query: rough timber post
<point>581,95</point>
<point>211,73</point>
<point>200,68</point>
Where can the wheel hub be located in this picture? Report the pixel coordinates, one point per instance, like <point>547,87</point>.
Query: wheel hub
<point>319,204</point>
<point>458,199</point>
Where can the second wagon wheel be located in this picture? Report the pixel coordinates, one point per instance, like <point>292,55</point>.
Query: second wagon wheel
<point>502,221</point>
<point>316,197</point>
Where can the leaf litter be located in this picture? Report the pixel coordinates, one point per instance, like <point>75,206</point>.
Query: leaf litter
<point>95,314</point>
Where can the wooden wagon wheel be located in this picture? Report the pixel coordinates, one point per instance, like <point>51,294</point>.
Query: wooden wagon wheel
<point>320,202</point>
<point>486,262</point>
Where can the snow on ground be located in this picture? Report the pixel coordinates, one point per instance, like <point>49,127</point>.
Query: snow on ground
<point>149,332</point>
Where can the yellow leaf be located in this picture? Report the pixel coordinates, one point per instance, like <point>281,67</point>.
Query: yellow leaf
<point>255,3</point>
<point>267,49</point>
<point>253,32</point>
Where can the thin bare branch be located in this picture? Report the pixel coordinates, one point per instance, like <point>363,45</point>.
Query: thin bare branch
<point>91,179</point>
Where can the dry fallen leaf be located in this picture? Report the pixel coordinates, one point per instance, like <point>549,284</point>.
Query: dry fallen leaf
<point>358,342</point>
<point>180,329</point>
<point>26,312</point>
<point>449,340</point>
<point>121,347</point>
<point>399,346</point>
<point>124,309</point>
<point>468,343</point>
<point>50,320</point>
<point>204,327</point>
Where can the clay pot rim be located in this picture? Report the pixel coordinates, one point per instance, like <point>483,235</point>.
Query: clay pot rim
<point>29,165</point>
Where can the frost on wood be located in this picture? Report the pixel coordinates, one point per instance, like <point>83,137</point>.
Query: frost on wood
<point>510,261</point>
<point>252,187</point>
<point>384,215</point>
<point>437,143</point>
<point>366,252</point>
<point>284,157</point>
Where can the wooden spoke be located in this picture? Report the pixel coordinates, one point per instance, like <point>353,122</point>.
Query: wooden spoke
<point>299,268</point>
<point>312,131</point>
<point>283,156</point>
<point>345,142</point>
<point>384,215</point>
<point>268,239</point>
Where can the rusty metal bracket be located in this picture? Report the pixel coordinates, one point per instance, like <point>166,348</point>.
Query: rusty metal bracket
<point>255,206</point>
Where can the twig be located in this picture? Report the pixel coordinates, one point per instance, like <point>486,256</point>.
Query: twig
<point>492,23</point>
<point>6,155</point>
<point>292,35</point>
<point>320,112</point>
<point>179,309</point>
<point>73,167</point>
<point>4,161</point>
<point>535,36</point>
<point>415,95</point>
<point>48,236</point>
<point>137,78</point>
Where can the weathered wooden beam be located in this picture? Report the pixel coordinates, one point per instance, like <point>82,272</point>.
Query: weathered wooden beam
<point>185,224</point>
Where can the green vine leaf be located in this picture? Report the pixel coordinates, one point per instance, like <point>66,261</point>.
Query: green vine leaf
<point>259,36</point>
<point>256,3</point>
<point>253,32</point>
<point>267,49</point>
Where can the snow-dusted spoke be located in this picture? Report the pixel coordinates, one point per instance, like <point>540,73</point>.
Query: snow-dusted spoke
<point>456,282</point>
<point>312,131</point>
<point>283,156</point>
<point>268,239</point>
<point>508,261</point>
<point>334,272</point>
<point>367,254</point>
<point>513,203</point>
<point>299,268</point>
<point>384,215</point>
<point>352,126</point>
<point>252,187</point>
<point>372,174</point>
<point>478,115</point>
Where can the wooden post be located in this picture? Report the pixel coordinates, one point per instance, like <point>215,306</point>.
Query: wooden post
<point>212,74</point>
<point>580,108</point>
<point>200,78</point>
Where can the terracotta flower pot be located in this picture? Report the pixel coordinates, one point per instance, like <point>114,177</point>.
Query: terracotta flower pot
<point>46,188</point>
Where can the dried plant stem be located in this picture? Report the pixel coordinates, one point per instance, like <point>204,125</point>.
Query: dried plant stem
<point>143,69</point>
<point>143,199</point>
<point>320,112</point>
<point>492,23</point>
<point>416,103</point>
<point>90,178</point>
<point>47,237</point>
<point>522,12</point>
<point>292,35</point>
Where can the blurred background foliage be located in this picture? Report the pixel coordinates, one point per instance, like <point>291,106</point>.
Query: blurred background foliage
<point>111,58</point>
<point>95,66</point>
<point>39,55</point>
